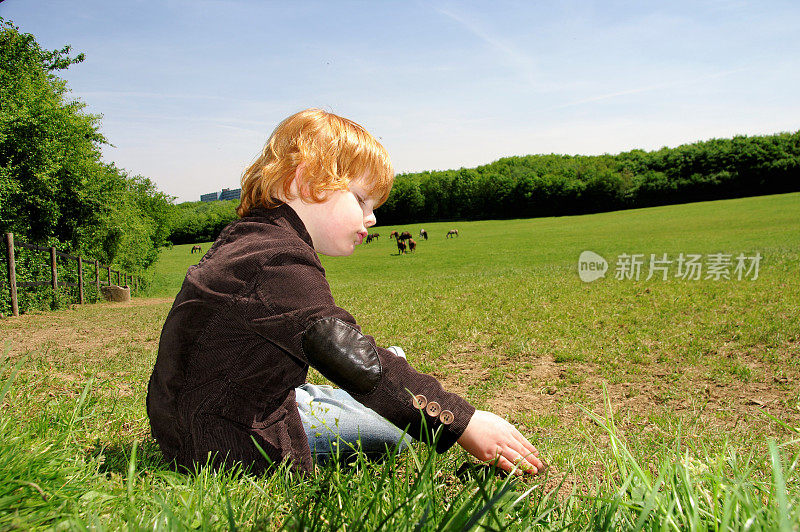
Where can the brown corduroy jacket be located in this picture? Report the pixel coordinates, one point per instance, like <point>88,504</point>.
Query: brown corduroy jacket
<point>246,324</point>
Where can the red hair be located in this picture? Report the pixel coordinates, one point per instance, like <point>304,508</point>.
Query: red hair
<point>333,151</point>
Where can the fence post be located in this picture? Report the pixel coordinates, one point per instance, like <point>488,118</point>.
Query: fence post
<point>109,276</point>
<point>97,278</point>
<point>12,274</point>
<point>54,271</point>
<point>80,280</point>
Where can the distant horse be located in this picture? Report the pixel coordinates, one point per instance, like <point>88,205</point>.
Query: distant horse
<point>368,239</point>
<point>393,234</point>
<point>412,245</point>
<point>405,235</point>
<point>401,247</point>
<point>374,236</point>
<point>451,233</point>
<point>197,249</point>
<point>423,234</point>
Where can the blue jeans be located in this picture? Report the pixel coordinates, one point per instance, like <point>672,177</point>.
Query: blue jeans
<point>335,423</point>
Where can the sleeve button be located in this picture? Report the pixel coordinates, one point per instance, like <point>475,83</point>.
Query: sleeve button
<point>446,417</point>
<point>433,409</point>
<point>419,402</point>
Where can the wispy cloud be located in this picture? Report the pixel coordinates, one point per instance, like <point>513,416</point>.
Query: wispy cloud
<point>162,95</point>
<point>649,88</point>
<point>521,63</point>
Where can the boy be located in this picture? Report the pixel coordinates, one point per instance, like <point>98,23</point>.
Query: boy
<point>257,311</point>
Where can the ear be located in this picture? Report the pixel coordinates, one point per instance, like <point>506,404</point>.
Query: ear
<point>299,184</point>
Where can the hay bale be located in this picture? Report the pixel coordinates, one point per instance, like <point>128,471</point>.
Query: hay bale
<point>120,294</point>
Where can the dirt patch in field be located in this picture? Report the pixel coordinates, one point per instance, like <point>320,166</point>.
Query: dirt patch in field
<point>469,364</point>
<point>72,330</point>
<point>656,402</point>
<point>735,399</point>
<point>660,391</point>
<point>67,347</point>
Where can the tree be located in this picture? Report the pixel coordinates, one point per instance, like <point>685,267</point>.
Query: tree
<point>44,140</point>
<point>54,188</point>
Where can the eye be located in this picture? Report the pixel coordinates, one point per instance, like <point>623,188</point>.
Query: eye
<point>361,200</point>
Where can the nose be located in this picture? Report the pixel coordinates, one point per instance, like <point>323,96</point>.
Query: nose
<point>369,219</point>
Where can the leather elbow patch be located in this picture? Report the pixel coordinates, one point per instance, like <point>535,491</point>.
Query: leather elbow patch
<point>343,355</point>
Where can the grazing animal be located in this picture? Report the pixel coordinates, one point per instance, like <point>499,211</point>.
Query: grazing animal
<point>197,249</point>
<point>368,239</point>
<point>405,235</point>
<point>412,245</point>
<point>401,247</point>
<point>393,234</point>
<point>423,234</point>
<point>374,236</point>
<point>451,233</point>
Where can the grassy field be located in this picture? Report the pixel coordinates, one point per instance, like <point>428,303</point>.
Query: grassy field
<point>657,402</point>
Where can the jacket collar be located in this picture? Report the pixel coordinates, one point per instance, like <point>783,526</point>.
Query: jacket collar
<point>284,216</point>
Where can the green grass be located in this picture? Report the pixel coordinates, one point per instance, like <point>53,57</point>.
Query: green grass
<point>659,404</point>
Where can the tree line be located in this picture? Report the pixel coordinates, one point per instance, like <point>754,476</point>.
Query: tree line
<point>555,185</point>
<point>201,221</point>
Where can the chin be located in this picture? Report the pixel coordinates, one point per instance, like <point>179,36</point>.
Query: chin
<point>339,252</point>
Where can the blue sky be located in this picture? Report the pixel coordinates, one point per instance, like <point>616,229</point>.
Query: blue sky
<point>190,90</point>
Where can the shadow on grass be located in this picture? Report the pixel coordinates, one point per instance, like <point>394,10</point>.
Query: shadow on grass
<point>115,457</point>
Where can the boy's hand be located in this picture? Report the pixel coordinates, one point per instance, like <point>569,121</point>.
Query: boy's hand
<point>489,437</point>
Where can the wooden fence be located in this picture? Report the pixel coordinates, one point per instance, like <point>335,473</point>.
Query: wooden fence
<point>121,277</point>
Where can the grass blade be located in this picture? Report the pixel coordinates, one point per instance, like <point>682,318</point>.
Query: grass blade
<point>779,485</point>
<point>12,376</point>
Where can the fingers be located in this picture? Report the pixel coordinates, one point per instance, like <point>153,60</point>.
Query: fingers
<point>524,441</point>
<point>490,438</point>
<point>513,462</point>
<point>503,463</point>
<point>525,461</point>
<point>524,448</point>
<point>527,444</point>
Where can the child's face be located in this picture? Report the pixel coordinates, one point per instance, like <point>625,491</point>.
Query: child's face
<point>338,224</point>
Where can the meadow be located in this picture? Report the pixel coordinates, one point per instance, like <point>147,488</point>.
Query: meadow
<point>665,404</point>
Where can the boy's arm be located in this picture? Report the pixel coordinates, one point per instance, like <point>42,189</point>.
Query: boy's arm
<point>384,381</point>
